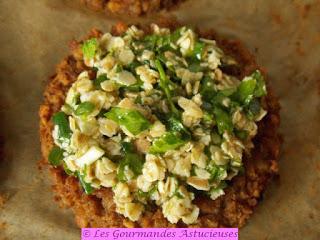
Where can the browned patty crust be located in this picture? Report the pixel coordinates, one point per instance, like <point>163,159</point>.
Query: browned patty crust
<point>130,7</point>
<point>229,210</point>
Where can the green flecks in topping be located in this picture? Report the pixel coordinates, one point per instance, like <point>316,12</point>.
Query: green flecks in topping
<point>212,97</point>
<point>119,68</point>
<point>207,90</point>
<point>261,89</point>
<point>132,120</point>
<point>161,43</point>
<point>175,35</point>
<point>145,195</point>
<point>56,156</point>
<point>136,87</point>
<point>250,87</point>
<point>76,99</point>
<point>208,118</point>
<point>253,108</point>
<point>228,92</point>
<point>178,195</point>
<point>217,173</point>
<point>67,170</point>
<point>246,90</point>
<point>138,100</point>
<point>218,98</point>
<point>131,160</point>
<point>132,66</point>
<point>86,186</point>
<point>223,119</point>
<point>60,119</point>
<point>97,82</point>
<point>127,147</point>
<point>216,192</point>
<point>169,141</point>
<point>89,48</point>
<point>135,163</point>
<point>175,125</point>
<point>150,42</point>
<point>84,109</point>
<point>120,174</point>
<point>195,66</point>
<point>241,134</point>
<point>198,50</point>
<point>165,86</point>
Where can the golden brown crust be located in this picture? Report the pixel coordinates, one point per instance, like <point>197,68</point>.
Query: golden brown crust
<point>130,7</point>
<point>230,210</point>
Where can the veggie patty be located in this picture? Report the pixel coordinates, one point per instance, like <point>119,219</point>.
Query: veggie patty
<point>159,118</point>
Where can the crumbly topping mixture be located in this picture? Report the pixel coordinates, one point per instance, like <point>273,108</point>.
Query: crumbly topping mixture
<point>158,122</point>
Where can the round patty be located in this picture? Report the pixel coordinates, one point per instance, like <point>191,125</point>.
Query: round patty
<point>130,7</point>
<point>229,210</point>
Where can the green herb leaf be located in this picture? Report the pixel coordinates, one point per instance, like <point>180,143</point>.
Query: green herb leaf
<point>241,134</point>
<point>84,109</point>
<point>67,170</point>
<point>207,88</point>
<point>134,87</point>
<point>228,92</point>
<point>169,141</point>
<point>195,66</point>
<point>132,120</point>
<point>76,99</point>
<point>55,156</point>
<point>132,160</point>
<point>175,35</point>
<point>142,194</point>
<point>138,100</point>
<point>164,84</point>
<point>150,42</point>
<point>252,86</point>
<point>132,66</point>
<point>246,90</point>
<point>120,172</point>
<point>198,50</point>
<point>176,125</point>
<point>208,118</point>
<point>253,108</point>
<point>135,163</point>
<point>61,120</point>
<point>217,172</point>
<point>261,89</point>
<point>223,119</point>
<point>86,186</point>
<point>127,147</point>
<point>89,48</point>
<point>97,82</point>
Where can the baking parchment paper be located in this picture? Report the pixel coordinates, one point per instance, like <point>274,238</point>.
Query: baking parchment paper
<point>284,36</point>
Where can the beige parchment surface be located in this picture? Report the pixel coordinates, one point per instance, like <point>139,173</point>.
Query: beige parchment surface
<point>284,35</point>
